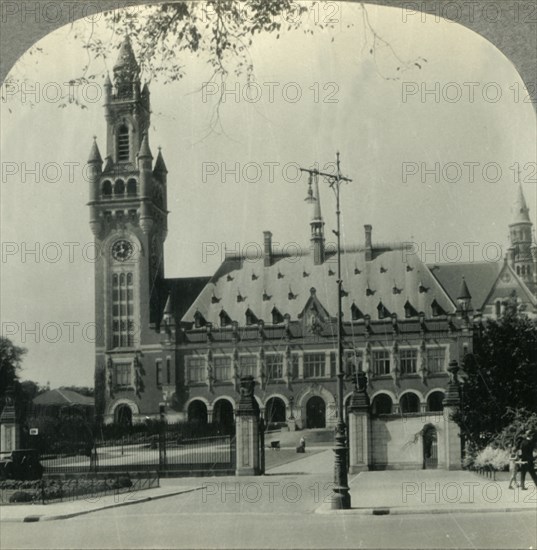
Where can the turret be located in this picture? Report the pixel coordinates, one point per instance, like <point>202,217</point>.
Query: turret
<point>520,253</point>
<point>464,298</point>
<point>145,161</point>
<point>94,172</point>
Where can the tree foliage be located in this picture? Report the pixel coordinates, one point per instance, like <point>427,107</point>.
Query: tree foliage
<point>10,365</point>
<point>501,378</point>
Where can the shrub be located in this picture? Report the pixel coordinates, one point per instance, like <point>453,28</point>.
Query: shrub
<point>492,457</point>
<point>21,496</point>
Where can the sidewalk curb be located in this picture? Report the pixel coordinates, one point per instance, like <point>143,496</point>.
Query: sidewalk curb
<point>400,511</point>
<point>34,518</point>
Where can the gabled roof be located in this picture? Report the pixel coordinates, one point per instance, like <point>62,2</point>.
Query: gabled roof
<point>63,397</point>
<point>287,284</point>
<point>478,277</point>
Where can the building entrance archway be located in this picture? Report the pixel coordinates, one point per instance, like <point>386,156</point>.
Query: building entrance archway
<point>316,412</point>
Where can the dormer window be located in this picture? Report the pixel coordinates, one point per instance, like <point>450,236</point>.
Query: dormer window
<point>225,320</point>
<point>251,319</point>
<point>123,143</point>
<point>437,309</point>
<point>410,311</point>
<point>382,311</point>
<point>277,317</point>
<point>199,320</point>
<point>356,314</point>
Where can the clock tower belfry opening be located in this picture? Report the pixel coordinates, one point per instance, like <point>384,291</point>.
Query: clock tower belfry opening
<point>128,218</point>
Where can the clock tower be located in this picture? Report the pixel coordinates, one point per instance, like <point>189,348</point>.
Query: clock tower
<point>128,218</point>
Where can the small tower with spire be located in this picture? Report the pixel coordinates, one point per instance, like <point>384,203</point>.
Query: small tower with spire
<point>317,223</point>
<point>521,252</point>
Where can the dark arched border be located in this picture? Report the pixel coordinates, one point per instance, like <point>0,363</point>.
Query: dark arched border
<point>511,25</point>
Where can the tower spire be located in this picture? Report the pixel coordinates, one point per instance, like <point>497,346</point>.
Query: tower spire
<point>521,254</point>
<point>317,223</point>
<point>520,208</point>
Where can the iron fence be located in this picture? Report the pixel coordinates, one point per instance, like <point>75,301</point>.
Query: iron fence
<point>165,452</point>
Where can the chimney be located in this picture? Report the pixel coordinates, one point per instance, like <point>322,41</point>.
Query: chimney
<point>368,244</point>
<point>267,252</point>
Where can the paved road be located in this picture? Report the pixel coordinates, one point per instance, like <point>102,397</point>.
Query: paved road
<point>274,511</point>
<point>226,516</point>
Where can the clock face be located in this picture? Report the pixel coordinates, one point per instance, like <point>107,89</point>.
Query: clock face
<point>122,250</point>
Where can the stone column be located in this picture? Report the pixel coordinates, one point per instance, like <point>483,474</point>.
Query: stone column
<point>452,440</point>
<point>9,427</point>
<point>360,427</point>
<point>247,431</point>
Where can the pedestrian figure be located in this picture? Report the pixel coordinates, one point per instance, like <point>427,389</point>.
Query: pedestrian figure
<point>301,448</point>
<point>526,456</point>
<point>514,466</point>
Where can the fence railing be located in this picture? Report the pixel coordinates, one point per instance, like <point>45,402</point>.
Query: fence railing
<point>165,452</point>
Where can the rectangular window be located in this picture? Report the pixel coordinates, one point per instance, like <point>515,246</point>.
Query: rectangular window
<point>248,365</point>
<point>158,372</point>
<point>381,362</point>
<point>168,370</point>
<point>436,359</point>
<point>222,368</point>
<point>315,365</point>
<point>352,363</point>
<point>408,360</point>
<point>123,326</point>
<point>123,374</point>
<point>274,366</point>
<point>196,369</point>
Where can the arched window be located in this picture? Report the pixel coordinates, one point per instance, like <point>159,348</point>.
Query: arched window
<point>106,188</point>
<point>498,308</point>
<point>435,402</point>
<point>409,403</point>
<point>123,143</point>
<point>382,404</point>
<point>119,187</point>
<point>131,187</point>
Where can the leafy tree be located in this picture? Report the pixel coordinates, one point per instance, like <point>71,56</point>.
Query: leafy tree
<point>220,33</point>
<point>501,378</point>
<point>82,390</point>
<point>10,364</point>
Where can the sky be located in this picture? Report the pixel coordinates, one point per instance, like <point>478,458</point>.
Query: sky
<point>433,154</point>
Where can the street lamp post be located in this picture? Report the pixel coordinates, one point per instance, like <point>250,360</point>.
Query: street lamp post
<point>341,499</point>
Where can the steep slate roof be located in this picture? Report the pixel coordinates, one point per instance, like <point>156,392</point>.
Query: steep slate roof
<point>63,397</point>
<point>180,293</point>
<point>478,276</point>
<point>239,284</point>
